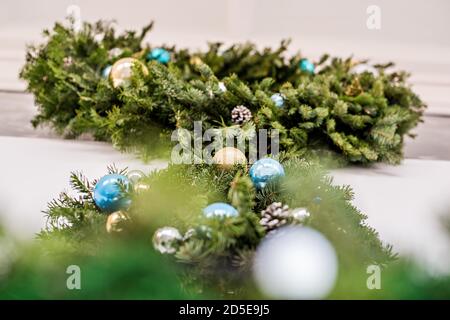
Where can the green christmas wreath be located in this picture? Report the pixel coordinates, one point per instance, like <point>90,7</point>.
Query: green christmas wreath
<point>215,252</point>
<point>358,112</point>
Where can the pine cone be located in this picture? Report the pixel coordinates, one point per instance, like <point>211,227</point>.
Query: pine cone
<point>240,115</point>
<point>274,216</point>
<point>354,88</point>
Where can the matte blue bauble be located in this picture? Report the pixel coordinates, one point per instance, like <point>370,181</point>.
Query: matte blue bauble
<point>264,171</point>
<point>220,210</point>
<point>278,99</point>
<point>108,195</point>
<point>106,71</point>
<point>306,66</point>
<point>159,54</point>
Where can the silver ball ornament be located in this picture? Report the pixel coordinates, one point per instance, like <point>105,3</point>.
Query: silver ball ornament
<point>135,176</point>
<point>166,240</point>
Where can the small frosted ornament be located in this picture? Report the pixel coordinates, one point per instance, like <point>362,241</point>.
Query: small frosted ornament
<point>278,99</point>
<point>108,193</point>
<point>116,221</point>
<point>265,170</point>
<point>159,54</point>
<point>166,240</point>
<point>220,210</point>
<point>227,157</point>
<point>122,71</point>
<point>306,66</point>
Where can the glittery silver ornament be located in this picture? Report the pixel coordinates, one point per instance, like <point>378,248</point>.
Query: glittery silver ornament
<point>166,240</point>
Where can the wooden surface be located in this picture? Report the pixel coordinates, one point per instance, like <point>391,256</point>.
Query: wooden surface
<point>404,203</point>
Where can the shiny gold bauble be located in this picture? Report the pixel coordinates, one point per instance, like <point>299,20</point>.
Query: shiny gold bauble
<point>195,60</point>
<point>226,157</point>
<point>122,71</point>
<point>116,220</point>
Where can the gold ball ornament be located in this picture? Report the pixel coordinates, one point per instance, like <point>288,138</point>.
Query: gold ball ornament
<point>115,222</point>
<point>226,157</point>
<point>195,60</point>
<point>122,71</point>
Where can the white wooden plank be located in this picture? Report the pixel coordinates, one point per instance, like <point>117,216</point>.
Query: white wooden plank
<point>405,204</point>
<point>37,170</point>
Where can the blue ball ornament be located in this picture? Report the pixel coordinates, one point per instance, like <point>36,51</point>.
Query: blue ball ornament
<point>159,54</point>
<point>265,170</point>
<point>108,195</point>
<point>306,66</point>
<point>220,210</point>
<point>106,71</point>
<point>278,99</point>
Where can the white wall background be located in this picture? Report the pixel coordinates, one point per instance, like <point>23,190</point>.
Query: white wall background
<point>415,34</point>
<point>402,20</point>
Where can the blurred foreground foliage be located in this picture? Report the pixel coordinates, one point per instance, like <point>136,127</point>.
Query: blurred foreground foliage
<point>218,258</point>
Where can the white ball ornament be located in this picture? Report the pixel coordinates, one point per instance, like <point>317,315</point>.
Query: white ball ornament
<point>295,263</point>
<point>226,157</point>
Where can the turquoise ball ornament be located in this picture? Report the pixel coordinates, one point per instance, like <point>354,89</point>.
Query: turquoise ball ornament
<point>306,66</point>
<point>220,210</point>
<point>278,99</point>
<point>265,170</point>
<point>106,71</point>
<point>159,54</point>
<point>108,195</point>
